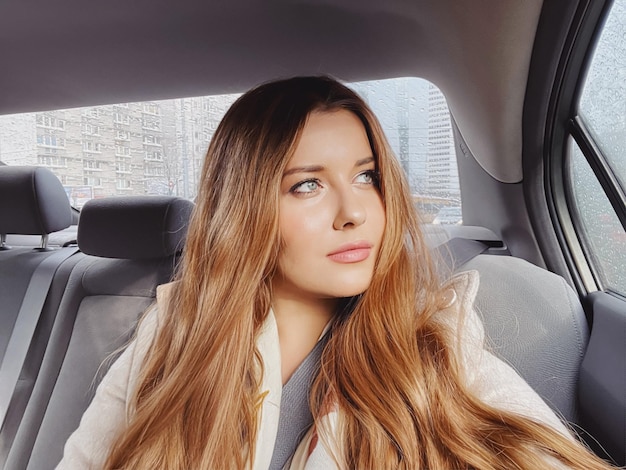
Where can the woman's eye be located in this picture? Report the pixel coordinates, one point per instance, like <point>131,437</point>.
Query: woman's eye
<point>367,177</point>
<point>306,187</point>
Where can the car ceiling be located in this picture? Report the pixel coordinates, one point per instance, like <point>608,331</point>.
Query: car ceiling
<point>67,53</point>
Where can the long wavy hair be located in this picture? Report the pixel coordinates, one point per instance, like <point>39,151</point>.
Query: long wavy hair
<point>388,366</point>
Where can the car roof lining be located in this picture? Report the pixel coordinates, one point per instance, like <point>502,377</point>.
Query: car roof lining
<point>64,54</point>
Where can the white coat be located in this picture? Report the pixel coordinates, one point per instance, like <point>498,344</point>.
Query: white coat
<point>491,379</point>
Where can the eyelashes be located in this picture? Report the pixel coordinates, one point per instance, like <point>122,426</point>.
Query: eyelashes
<point>371,177</point>
<point>313,185</point>
<point>306,187</point>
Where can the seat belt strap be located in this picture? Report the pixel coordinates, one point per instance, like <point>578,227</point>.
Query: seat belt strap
<point>295,415</point>
<point>25,325</point>
<point>458,251</point>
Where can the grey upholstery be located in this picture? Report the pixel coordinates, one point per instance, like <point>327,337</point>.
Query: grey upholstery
<point>32,201</point>
<point>37,348</point>
<point>100,307</point>
<point>535,322</point>
<point>134,227</point>
<point>103,301</point>
<point>533,319</point>
<point>16,268</point>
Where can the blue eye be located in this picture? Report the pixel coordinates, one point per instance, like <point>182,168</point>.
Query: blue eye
<point>369,177</point>
<point>306,187</point>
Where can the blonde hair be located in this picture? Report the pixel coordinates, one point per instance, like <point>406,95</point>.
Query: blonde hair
<point>388,365</point>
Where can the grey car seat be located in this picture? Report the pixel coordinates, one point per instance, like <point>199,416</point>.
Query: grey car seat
<point>33,204</point>
<point>130,246</point>
<point>533,319</point>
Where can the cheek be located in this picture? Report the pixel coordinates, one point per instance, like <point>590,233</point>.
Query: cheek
<point>300,227</point>
<point>378,218</point>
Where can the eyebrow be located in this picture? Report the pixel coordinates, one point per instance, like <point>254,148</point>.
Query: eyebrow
<point>318,168</point>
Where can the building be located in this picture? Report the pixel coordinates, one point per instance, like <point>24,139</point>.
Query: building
<point>158,147</point>
<point>401,107</point>
<point>443,177</point>
<point>130,148</point>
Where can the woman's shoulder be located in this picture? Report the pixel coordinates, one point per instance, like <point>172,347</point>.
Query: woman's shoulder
<point>153,319</point>
<point>458,315</point>
<point>456,303</point>
<point>462,287</point>
<point>149,326</point>
<point>164,292</point>
<point>155,314</point>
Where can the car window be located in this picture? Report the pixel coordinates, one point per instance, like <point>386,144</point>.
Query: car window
<point>415,117</point>
<point>157,147</point>
<point>597,156</point>
<point>449,215</point>
<point>603,99</point>
<point>600,229</point>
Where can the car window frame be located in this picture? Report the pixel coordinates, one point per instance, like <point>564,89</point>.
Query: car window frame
<point>565,123</point>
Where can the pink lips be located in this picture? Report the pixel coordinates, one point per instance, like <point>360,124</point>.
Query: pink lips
<point>351,252</point>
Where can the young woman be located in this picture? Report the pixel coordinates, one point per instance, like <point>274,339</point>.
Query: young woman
<point>305,238</point>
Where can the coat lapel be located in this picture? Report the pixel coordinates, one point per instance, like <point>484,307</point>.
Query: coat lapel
<point>271,390</point>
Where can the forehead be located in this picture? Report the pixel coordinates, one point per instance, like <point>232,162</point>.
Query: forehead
<point>330,136</point>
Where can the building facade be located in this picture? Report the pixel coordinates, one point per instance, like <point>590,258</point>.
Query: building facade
<point>158,147</point>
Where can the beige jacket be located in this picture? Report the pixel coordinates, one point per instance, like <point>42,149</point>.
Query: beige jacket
<point>494,381</point>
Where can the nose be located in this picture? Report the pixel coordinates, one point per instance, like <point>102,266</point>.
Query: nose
<point>350,210</point>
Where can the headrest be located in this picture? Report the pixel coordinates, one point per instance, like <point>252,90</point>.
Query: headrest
<point>32,201</point>
<point>134,227</point>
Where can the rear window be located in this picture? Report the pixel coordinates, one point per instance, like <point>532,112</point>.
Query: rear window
<point>157,147</point>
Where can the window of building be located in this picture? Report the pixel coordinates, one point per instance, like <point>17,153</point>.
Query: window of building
<point>51,161</point>
<point>91,129</point>
<point>154,170</point>
<point>151,124</point>
<point>122,135</point>
<point>152,139</point>
<point>93,181</point>
<point>50,122</point>
<point>151,108</point>
<point>90,146</point>
<point>122,151</point>
<point>121,118</point>
<point>92,164</point>
<point>155,155</point>
<point>91,112</point>
<point>48,140</point>
<point>122,166</point>
<point>123,183</point>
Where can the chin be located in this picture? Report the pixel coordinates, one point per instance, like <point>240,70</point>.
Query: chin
<point>349,288</point>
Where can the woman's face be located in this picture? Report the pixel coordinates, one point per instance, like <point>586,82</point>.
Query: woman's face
<point>331,212</point>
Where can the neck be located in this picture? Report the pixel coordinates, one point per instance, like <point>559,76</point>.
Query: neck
<point>300,323</point>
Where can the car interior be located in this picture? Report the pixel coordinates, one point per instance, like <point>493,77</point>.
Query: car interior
<point>75,281</point>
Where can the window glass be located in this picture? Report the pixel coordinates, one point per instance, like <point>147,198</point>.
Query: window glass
<point>415,117</point>
<point>603,100</point>
<point>157,147</point>
<point>600,230</point>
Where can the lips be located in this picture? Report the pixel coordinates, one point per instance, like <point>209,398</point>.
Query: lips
<point>351,252</point>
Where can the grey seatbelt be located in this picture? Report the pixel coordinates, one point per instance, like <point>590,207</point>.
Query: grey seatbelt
<point>458,251</point>
<point>25,324</point>
<point>295,415</point>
